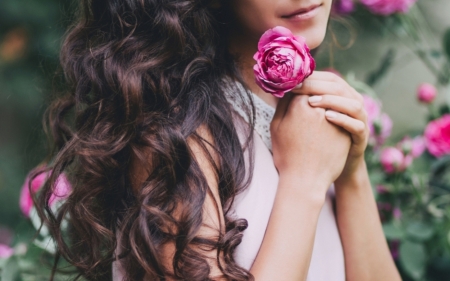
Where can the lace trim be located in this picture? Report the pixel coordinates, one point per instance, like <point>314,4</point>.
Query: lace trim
<point>263,112</point>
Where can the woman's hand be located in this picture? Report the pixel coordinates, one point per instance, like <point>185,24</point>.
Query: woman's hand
<point>306,147</point>
<point>345,108</point>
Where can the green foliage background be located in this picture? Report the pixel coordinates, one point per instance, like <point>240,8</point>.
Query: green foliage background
<point>30,34</point>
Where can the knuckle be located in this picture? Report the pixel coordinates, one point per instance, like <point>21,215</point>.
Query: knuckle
<point>340,89</point>
<point>359,97</point>
<point>360,128</point>
<point>358,107</point>
<point>334,77</point>
<point>298,100</point>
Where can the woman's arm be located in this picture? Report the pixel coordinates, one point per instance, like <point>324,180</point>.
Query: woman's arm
<point>309,154</point>
<point>366,252</point>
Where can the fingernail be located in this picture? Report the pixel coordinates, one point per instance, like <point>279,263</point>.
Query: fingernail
<point>331,114</point>
<point>299,86</point>
<point>315,98</point>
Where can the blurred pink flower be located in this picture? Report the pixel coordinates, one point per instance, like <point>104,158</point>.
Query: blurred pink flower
<point>384,129</point>
<point>380,124</point>
<point>381,189</point>
<point>414,147</point>
<point>343,7</point>
<point>395,248</point>
<point>384,206</point>
<point>5,251</point>
<point>393,160</point>
<point>6,235</point>
<point>397,213</point>
<point>388,7</point>
<point>62,190</point>
<point>426,93</point>
<point>437,136</point>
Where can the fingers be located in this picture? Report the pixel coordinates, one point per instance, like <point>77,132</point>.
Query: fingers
<point>344,105</point>
<point>355,127</point>
<point>322,82</point>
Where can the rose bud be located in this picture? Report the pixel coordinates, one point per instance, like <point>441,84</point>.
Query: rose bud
<point>392,160</point>
<point>283,61</point>
<point>426,93</point>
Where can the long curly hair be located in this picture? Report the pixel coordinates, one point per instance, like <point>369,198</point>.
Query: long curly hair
<point>142,76</point>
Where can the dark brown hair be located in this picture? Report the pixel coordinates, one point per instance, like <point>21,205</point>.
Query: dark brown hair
<point>141,77</point>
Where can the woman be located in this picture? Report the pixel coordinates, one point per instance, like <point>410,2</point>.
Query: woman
<point>169,180</point>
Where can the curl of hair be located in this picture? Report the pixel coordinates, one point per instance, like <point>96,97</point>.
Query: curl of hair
<point>142,76</point>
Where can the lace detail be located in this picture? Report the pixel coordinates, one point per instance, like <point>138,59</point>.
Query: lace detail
<point>263,112</point>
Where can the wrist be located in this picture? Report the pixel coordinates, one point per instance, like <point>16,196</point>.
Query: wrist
<point>357,176</point>
<point>304,188</point>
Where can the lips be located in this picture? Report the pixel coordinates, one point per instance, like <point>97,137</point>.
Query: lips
<point>302,11</point>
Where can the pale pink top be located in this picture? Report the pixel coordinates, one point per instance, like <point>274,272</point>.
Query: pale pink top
<point>255,204</point>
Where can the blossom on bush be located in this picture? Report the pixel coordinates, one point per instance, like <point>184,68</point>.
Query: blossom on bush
<point>393,160</point>
<point>381,189</point>
<point>5,251</point>
<point>388,7</point>
<point>414,147</point>
<point>426,93</point>
<point>437,136</point>
<point>380,124</point>
<point>62,190</point>
<point>343,7</point>
<point>397,213</point>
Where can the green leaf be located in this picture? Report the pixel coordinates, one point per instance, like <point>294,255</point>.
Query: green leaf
<point>447,42</point>
<point>413,258</point>
<point>393,231</point>
<point>10,271</point>
<point>420,231</point>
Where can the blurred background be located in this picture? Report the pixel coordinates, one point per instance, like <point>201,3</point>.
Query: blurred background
<point>377,52</point>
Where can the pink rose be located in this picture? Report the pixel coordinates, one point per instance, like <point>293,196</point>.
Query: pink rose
<point>380,124</point>
<point>388,7</point>
<point>5,251</point>
<point>283,61</point>
<point>393,160</point>
<point>437,136</point>
<point>383,128</point>
<point>414,147</point>
<point>426,93</point>
<point>343,7</point>
<point>62,190</point>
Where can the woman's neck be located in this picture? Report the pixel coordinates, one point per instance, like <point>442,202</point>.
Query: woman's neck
<point>244,49</point>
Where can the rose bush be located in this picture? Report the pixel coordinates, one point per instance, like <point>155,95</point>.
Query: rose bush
<point>388,7</point>
<point>380,124</point>
<point>283,61</point>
